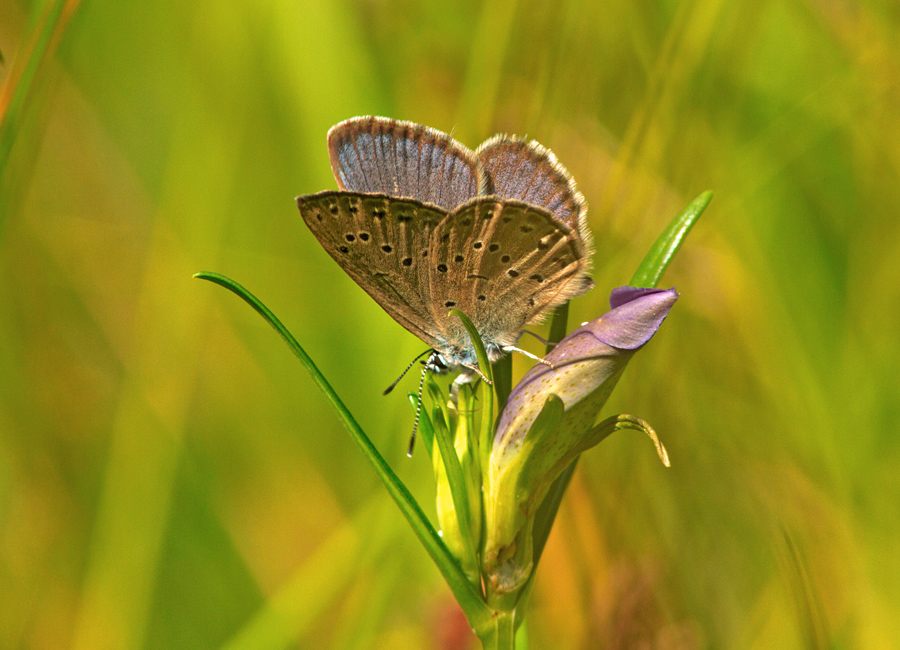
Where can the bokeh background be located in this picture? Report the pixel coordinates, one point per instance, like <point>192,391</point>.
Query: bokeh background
<point>171,478</point>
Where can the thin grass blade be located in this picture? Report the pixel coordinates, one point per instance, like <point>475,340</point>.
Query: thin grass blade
<point>467,596</point>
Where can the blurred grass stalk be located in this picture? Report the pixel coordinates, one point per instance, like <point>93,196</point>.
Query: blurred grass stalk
<point>46,24</point>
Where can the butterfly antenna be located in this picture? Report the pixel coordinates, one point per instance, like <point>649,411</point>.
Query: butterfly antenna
<point>412,437</point>
<point>403,374</point>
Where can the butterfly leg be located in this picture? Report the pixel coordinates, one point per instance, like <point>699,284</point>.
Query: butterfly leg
<point>467,377</point>
<point>512,348</point>
<point>539,338</point>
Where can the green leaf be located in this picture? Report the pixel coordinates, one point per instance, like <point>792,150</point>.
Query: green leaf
<point>465,593</point>
<point>502,369</point>
<point>487,418</point>
<point>663,250</point>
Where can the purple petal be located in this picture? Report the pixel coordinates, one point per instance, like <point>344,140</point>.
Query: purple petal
<point>635,317</point>
<point>622,295</point>
<point>586,364</point>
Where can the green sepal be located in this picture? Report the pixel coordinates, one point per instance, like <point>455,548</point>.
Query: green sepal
<point>454,513</point>
<point>509,506</point>
<point>487,418</point>
<point>621,422</point>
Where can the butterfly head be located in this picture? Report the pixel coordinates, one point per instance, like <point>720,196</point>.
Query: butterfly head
<point>454,357</point>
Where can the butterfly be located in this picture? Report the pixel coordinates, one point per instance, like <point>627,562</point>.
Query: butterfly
<point>425,225</point>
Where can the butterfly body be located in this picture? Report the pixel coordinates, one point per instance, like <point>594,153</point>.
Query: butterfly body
<point>418,226</point>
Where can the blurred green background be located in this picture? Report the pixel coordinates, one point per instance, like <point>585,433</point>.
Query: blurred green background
<point>171,478</point>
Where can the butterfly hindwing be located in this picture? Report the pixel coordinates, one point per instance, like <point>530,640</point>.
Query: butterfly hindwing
<point>529,172</point>
<point>403,159</point>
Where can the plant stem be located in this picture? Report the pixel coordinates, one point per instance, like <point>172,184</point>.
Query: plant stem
<point>500,632</point>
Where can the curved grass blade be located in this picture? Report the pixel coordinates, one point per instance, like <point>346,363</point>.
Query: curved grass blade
<point>467,596</point>
<point>663,250</point>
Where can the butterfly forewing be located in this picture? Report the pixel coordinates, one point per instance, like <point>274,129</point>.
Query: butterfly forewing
<point>504,264</point>
<point>383,244</point>
<point>526,171</point>
<point>403,159</point>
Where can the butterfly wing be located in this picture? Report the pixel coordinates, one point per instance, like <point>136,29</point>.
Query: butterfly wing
<point>403,159</point>
<point>504,264</point>
<point>531,173</point>
<point>382,243</point>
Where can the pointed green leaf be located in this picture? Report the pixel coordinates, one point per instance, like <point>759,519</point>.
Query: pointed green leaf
<point>663,250</point>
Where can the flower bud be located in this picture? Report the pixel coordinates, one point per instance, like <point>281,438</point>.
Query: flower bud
<point>547,422</point>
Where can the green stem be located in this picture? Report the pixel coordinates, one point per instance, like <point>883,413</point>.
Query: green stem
<point>499,633</point>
